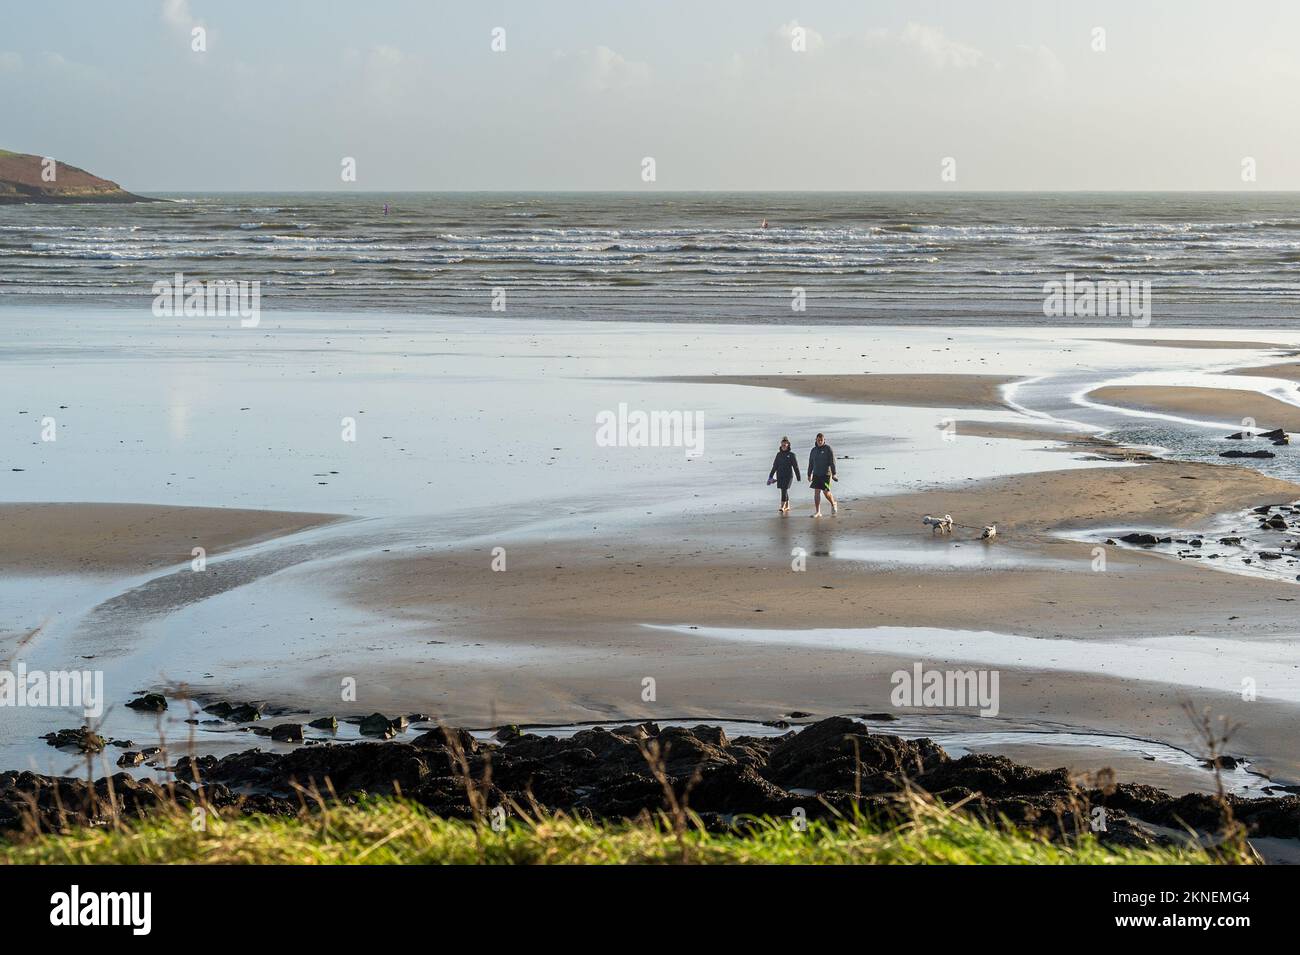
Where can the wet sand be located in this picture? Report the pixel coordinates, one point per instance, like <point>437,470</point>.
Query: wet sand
<point>1205,404</point>
<point>1289,371</point>
<point>912,391</point>
<point>131,538</point>
<point>561,635</point>
<point>585,600</point>
<point>1029,431</point>
<point>1215,344</point>
<point>738,566</point>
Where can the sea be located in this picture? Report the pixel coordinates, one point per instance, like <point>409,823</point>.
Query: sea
<point>1211,259</point>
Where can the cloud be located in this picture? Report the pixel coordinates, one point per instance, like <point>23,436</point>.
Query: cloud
<point>602,70</point>
<point>1045,63</point>
<point>176,13</point>
<point>939,51</point>
<point>384,71</point>
<point>385,55</point>
<point>10,62</point>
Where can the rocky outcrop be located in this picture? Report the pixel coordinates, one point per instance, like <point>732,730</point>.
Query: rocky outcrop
<point>622,772</point>
<point>32,179</point>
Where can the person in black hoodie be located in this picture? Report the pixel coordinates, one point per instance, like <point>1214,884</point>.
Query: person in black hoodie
<point>821,472</point>
<point>785,467</point>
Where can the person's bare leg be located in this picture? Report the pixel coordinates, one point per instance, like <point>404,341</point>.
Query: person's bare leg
<point>817,503</point>
<point>835,508</point>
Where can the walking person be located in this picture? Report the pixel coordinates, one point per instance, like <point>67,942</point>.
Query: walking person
<point>821,472</point>
<point>785,470</point>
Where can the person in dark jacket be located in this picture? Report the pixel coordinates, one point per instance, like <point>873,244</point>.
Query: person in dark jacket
<point>821,472</point>
<point>785,470</point>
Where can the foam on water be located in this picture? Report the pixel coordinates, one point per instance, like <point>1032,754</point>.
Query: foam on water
<point>894,258</point>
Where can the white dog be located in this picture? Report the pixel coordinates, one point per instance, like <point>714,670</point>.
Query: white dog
<point>990,532</point>
<point>938,525</point>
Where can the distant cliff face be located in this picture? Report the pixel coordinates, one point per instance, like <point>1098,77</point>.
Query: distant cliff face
<point>25,178</point>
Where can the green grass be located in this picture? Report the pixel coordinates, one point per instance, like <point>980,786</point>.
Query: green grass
<point>394,832</point>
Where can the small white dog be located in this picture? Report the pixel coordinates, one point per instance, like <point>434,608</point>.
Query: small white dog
<point>938,525</point>
<point>990,532</point>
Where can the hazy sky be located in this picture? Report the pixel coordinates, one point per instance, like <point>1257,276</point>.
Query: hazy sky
<point>1013,91</point>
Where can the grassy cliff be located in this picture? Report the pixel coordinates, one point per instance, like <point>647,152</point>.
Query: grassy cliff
<point>26,178</point>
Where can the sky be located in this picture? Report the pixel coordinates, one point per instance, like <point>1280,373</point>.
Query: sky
<point>721,94</point>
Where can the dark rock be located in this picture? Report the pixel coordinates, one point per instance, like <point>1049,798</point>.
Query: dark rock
<point>149,703</point>
<point>82,739</point>
<point>1246,454</point>
<point>1230,541</point>
<point>839,753</point>
<point>244,713</point>
<point>129,759</point>
<point>1145,540</point>
<point>1277,434</point>
<point>608,772</point>
<point>1225,762</point>
<point>330,723</point>
<point>287,733</point>
<point>376,724</point>
<point>737,789</point>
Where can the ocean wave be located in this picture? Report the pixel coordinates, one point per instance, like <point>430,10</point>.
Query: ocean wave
<point>895,249</point>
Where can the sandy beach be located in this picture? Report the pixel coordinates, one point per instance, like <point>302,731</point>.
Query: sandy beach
<point>1215,344</point>
<point>1289,371</point>
<point>1205,404</point>
<point>101,538</point>
<point>913,391</point>
<point>695,582</point>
